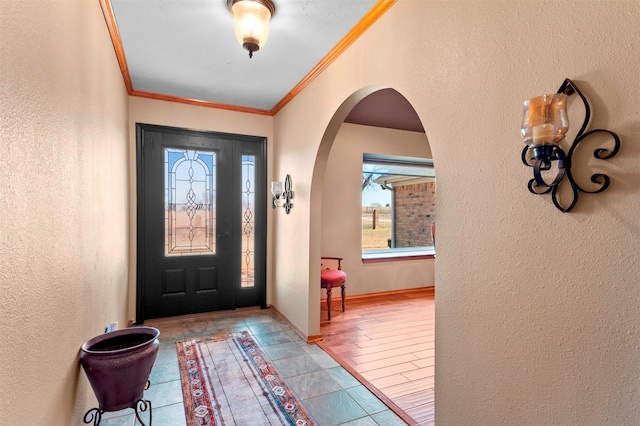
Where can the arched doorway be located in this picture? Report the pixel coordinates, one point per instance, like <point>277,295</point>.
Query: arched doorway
<point>373,119</point>
<point>382,121</point>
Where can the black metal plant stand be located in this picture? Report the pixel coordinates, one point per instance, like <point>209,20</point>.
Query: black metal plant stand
<point>142,405</point>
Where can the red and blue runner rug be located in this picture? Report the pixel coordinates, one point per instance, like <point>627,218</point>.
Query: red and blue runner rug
<point>226,380</point>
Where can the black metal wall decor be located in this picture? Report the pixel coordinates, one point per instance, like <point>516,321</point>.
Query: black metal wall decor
<point>282,194</point>
<point>544,125</point>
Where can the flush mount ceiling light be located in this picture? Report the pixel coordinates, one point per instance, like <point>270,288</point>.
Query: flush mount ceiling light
<point>251,22</point>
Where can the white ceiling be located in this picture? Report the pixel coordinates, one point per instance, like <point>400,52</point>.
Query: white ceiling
<point>186,51</point>
<point>187,48</point>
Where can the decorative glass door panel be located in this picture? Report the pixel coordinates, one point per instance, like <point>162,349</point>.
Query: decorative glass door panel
<point>248,221</point>
<point>201,221</point>
<point>190,198</point>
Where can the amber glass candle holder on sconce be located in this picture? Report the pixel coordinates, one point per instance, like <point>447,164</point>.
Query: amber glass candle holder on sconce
<point>544,126</point>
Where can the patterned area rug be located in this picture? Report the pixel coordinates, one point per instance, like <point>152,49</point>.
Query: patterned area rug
<point>226,380</point>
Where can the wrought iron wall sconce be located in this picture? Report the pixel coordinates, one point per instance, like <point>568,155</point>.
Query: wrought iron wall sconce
<point>282,194</point>
<point>544,126</point>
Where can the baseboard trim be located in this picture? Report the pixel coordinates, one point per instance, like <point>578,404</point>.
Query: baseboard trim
<point>429,289</point>
<point>308,339</point>
<point>315,338</point>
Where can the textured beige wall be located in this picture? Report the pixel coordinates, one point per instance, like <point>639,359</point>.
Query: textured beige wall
<point>537,315</point>
<point>63,204</point>
<point>342,208</point>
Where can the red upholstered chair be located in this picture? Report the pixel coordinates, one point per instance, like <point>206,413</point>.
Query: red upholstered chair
<point>331,277</point>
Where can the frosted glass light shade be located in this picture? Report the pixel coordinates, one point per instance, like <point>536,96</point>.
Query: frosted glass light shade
<point>277,188</point>
<point>545,119</point>
<point>251,24</point>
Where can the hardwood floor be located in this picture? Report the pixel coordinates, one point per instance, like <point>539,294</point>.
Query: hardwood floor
<point>388,341</point>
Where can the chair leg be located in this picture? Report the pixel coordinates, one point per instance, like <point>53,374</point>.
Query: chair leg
<point>343,286</point>
<point>329,302</point>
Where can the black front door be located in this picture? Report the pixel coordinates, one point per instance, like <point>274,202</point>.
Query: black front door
<point>201,217</point>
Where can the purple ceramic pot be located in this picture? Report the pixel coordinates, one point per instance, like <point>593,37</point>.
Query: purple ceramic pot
<point>118,365</point>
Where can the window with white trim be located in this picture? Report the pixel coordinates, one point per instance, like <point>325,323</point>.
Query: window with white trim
<point>398,206</point>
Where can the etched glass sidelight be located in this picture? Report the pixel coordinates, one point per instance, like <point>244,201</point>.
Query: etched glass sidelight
<point>248,221</point>
<point>190,200</point>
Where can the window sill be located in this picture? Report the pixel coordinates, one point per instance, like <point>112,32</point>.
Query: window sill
<point>378,256</point>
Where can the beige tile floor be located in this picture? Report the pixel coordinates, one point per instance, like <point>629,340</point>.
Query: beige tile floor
<point>328,391</point>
